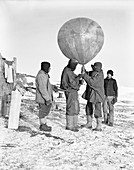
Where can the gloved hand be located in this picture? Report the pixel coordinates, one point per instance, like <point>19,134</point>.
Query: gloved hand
<point>79,76</point>
<point>114,100</point>
<point>55,88</point>
<point>48,102</point>
<point>83,70</point>
<point>81,81</point>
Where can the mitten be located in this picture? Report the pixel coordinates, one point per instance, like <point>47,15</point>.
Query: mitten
<point>114,100</point>
<point>48,102</point>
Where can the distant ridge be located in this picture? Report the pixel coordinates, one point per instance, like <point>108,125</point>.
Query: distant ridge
<point>24,75</point>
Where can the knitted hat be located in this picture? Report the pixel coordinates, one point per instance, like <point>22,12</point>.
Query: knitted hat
<point>97,66</point>
<point>45,66</point>
<point>72,64</point>
<point>110,72</point>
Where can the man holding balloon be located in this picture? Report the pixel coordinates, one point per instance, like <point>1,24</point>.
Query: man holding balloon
<point>82,39</point>
<point>94,95</point>
<point>70,83</point>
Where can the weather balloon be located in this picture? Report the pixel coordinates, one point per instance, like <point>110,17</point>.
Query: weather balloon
<point>80,39</point>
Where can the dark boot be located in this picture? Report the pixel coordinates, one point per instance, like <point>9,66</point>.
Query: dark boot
<point>111,124</point>
<point>72,129</point>
<point>70,123</point>
<point>44,127</point>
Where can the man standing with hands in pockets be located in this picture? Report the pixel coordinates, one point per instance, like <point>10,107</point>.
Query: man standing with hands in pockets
<point>111,94</point>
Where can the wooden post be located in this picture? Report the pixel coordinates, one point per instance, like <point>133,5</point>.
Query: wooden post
<point>0,86</point>
<point>6,105</point>
<point>0,106</point>
<point>14,67</point>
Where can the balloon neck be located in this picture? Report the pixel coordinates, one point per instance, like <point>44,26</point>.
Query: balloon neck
<point>82,69</point>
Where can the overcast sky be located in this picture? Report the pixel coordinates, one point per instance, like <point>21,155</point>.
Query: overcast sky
<point>29,29</point>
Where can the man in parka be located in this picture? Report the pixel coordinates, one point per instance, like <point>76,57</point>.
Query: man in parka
<point>70,84</point>
<point>44,95</point>
<point>94,95</point>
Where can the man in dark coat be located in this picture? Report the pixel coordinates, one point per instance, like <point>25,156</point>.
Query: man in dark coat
<point>70,84</point>
<point>94,95</point>
<point>111,94</point>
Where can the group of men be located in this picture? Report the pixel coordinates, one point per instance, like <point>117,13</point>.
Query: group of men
<point>101,95</point>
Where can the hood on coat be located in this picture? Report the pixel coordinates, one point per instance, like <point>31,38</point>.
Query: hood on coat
<point>97,66</point>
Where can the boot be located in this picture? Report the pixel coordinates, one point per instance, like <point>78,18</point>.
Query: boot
<point>43,124</point>
<point>75,121</point>
<point>105,118</point>
<point>44,127</point>
<point>111,119</point>
<point>111,124</point>
<point>89,122</point>
<point>44,121</point>
<point>70,123</point>
<point>98,126</point>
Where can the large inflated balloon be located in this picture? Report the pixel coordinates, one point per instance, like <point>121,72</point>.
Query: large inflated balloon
<point>80,39</point>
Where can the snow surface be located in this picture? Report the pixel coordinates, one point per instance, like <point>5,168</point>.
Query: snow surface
<point>29,149</point>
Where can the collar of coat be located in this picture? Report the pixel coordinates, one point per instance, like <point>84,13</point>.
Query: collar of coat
<point>44,73</point>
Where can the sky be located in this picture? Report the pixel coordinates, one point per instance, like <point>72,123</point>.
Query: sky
<point>29,29</point>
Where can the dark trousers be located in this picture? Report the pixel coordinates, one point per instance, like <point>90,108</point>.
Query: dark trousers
<point>94,107</point>
<point>44,110</point>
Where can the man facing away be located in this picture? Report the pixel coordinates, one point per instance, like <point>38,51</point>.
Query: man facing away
<point>94,95</point>
<point>44,95</point>
<point>111,94</point>
<point>70,84</point>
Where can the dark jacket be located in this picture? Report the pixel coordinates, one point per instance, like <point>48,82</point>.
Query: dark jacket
<point>69,80</point>
<point>95,92</point>
<point>110,87</point>
<point>88,90</point>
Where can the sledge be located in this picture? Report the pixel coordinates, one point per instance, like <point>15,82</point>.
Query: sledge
<point>14,112</point>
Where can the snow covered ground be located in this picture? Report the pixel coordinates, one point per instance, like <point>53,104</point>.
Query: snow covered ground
<point>29,149</point>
